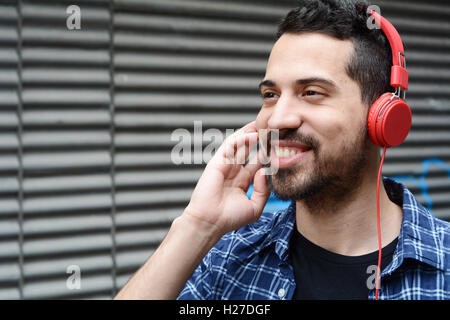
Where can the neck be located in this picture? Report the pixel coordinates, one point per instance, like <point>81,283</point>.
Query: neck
<point>350,226</point>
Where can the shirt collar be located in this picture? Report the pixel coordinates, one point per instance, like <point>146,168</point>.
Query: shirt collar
<point>280,234</point>
<point>418,237</point>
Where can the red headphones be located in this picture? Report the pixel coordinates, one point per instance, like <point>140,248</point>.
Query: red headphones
<point>389,119</point>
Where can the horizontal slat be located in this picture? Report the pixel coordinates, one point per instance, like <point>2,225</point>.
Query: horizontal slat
<point>415,9</point>
<point>141,218</point>
<point>149,198</point>
<point>160,23</point>
<point>61,36</point>
<point>8,141</point>
<point>72,183</point>
<point>61,97</point>
<point>424,26</point>
<point>440,43</point>
<point>177,62</point>
<point>8,13</point>
<point>156,178</point>
<point>53,289</point>
<point>9,249</point>
<point>86,77</point>
<point>58,267</point>
<point>60,204</point>
<point>67,245</point>
<point>63,139</point>
<point>8,98</point>
<point>9,293</point>
<point>429,73</point>
<point>56,13</point>
<point>428,57</point>
<point>405,153</point>
<point>8,34</point>
<point>425,121</point>
<point>69,56</point>
<point>140,237</point>
<point>206,8</point>
<point>176,100</point>
<point>9,206</point>
<point>407,168</point>
<point>9,273</point>
<point>8,77</point>
<point>157,81</point>
<point>131,260</point>
<point>8,56</point>
<point>9,228</point>
<point>67,160</point>
<point>423,138</point>
<point>428,89</point>
<point>67,224</point>
<point>132,40</point>
<point>216,120</point>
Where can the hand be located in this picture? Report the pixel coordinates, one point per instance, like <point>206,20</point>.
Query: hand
<point>220,197</point>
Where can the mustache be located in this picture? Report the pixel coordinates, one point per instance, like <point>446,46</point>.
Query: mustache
<point>293,135</point>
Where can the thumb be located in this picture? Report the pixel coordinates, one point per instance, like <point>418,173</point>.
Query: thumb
<point>261,193</point>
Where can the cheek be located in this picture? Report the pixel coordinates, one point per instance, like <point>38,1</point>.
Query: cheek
<point>337,129</point>
<point>332,126</point>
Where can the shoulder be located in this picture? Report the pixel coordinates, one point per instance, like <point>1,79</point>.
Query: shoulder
<point>442,229</point>
<point>429,234</point>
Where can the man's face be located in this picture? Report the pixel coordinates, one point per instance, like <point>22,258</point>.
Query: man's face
<point>318,111</point>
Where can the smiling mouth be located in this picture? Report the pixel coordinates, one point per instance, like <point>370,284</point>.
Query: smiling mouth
<point>288,154</point>
<point>285,152</point>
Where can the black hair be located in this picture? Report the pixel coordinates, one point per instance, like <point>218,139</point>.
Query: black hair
<point>370,64</point>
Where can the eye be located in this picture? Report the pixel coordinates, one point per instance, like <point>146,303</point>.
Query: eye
<point>268,95</point>
<point>312,93</point>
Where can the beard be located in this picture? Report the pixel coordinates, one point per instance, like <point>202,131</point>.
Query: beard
<point>329,180</point>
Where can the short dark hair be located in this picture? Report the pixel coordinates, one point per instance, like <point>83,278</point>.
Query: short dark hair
<point>370,64</point>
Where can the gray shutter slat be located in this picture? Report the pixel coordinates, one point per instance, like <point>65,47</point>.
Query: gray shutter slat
<point>66,139</point>
<point>9,159</point>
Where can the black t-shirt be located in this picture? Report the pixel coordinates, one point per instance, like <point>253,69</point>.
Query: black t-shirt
<point>321,274</point>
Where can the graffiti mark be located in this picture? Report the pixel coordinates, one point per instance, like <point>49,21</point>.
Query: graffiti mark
<point>421,181</point>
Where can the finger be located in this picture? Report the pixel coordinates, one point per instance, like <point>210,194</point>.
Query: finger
<point>227,145</point>
<point>237,148</point>
<point>249,127</point>
<point>261,193</point>
<point>260,159</point>
<point>244,149</point>
<point>253,165</point>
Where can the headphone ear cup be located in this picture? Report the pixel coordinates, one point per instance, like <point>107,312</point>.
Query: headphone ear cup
<point>372,118</point>
<point>389,121</point>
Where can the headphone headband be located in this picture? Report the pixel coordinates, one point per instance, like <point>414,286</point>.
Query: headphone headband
<point>399,74</point>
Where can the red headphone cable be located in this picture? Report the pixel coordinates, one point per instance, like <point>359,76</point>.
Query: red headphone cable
<point>379,225</point>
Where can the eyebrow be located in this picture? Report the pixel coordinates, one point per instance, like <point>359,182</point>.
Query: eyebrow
<point>327,82</point>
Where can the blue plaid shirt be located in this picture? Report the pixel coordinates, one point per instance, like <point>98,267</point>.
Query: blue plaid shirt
<point>253,262</point>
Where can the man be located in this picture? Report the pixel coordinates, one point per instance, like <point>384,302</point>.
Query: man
<point>324,72</point>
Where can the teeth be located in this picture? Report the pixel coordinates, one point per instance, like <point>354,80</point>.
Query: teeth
<point>286,152</point>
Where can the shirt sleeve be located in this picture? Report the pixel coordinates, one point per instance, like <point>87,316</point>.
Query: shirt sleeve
<point>204,284</point>
<point>197,288</point>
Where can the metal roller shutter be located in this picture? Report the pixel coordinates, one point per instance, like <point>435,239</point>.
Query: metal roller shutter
<point>87,116</point>
<point>10,225</point>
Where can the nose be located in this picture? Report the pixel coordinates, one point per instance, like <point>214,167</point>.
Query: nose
<point>285,114</point>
